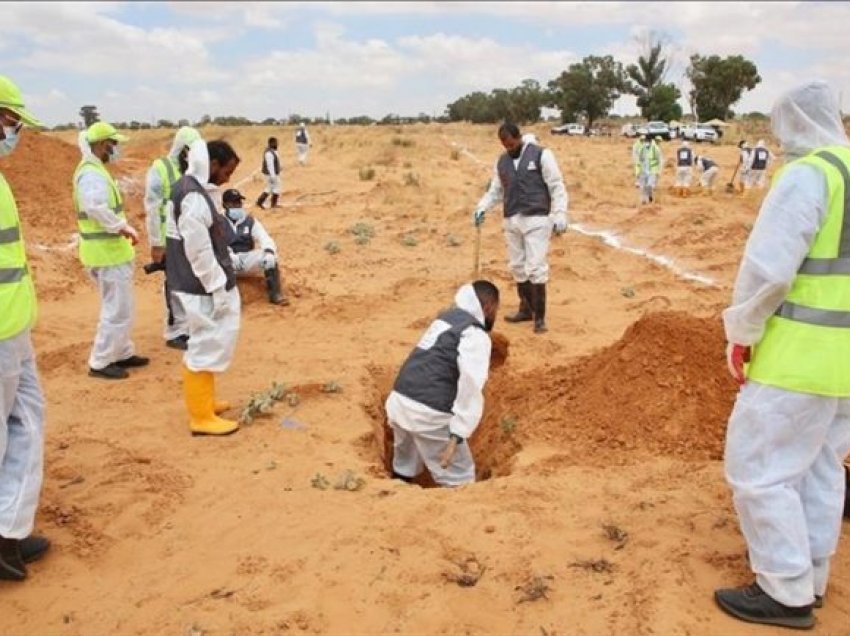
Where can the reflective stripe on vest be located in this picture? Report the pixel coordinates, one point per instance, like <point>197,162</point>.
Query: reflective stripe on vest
<point>168,176</point>
<point>806,344</point>
<point>99,248</point>
<point>17,295</point>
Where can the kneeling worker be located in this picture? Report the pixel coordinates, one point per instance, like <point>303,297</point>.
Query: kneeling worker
<point>437,400</point>
<point>252,249</point>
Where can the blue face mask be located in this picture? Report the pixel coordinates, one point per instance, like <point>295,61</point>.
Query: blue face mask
<point>8,143</point>
<point>236,214</point>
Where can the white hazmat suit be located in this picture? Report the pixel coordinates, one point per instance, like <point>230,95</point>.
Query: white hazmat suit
<point>784,449</point>
<point>302,144</point>
<point>421,433</point>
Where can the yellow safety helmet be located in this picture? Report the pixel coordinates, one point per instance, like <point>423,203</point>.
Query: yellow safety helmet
<point>10,97</point>
<point>101,130</point>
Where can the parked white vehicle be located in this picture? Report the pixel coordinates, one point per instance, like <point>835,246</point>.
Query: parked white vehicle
<point>629,130</point>
<point>568,129</point>
<point>700,132</point>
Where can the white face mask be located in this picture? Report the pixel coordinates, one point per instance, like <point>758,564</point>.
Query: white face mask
<point>114,153</point>
<point>8,143</point>
<point>236,214</point>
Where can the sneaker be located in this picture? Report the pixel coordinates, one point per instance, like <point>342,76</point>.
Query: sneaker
<point>132,361</point>
<point>33,548</point>
<point>753,605</point>
<point>109,372</point>
<point>180,342</point>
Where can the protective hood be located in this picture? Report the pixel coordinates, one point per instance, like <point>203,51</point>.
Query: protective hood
<point>529,138</point>
<point>184,137</point>
<point>760,143</point>
<point>85,148</point>
<point>808,117</point>
<point>685,144</point>
<point>199,161</point>
<point>466,299</point>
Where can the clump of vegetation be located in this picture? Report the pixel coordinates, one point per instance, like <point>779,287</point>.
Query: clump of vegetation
<point>332,247</point>
<point>455,154</point>
<point>454,241</point>
<point>628,292</point>
<point>367,173</point>
<point>615,534</point>
<point>534,589</point>
<point>363,232</point>
<point>262,403</point>
<point>403,142</point>
<point>332,387</point>
<point>409,240</point>
<point>508,424</point>
<point>411,179</point>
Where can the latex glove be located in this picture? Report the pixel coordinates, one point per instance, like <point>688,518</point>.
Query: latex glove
<point>219,300</point>
<point>736,356</point>
<point>130,234</point>
<point>449,452</point>
<point>559,224</point>
<point>269,260</point>
<point>478,217</point>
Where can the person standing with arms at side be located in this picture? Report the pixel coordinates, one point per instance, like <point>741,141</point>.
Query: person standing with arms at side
<point>760,159</point>
<point>271,168</point>
<point>527,178</point>
<point>201,273</point>
<point>21,398</point>
<point>648,164</point>
<point>302,143</point>
<point>743,167</point>
<point>162,175</point>
<point>790,319</point>
<point>684,165</point>
<point>106,251</point>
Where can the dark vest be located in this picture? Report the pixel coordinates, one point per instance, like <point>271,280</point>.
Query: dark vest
<point>684,157</point>
<point>429,376</point>
<point>707,164</point>
<point>301,136</point>
<point>759,158</point>
<point>526,192</point>
<point>178,270</point>
<point>243,239</point>
<point>265,168</point>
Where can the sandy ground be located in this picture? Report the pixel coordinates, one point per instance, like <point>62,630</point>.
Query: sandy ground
<point>602,507</point>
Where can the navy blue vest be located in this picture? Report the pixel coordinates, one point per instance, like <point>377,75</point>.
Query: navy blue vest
<point>243,239</point>
<point>684,157</point>
<point>760,159</point>
<point>301,136</point>
<point>525,191</point>
<point>265,168</point>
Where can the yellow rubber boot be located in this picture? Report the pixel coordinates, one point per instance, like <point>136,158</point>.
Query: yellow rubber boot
<point>198,392</point>
<point>220,406</point>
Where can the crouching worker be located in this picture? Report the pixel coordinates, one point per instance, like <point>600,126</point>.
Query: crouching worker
<point>201,274</point>
<point>437,400</point>
<point>252,249</point>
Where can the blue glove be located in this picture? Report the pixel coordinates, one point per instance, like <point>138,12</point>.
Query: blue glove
<point>478,217</point>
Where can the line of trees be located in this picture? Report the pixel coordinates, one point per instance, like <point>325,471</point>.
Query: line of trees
<point>587,90</point>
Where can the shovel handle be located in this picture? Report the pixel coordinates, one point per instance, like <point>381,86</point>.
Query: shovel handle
<point>476,257</point>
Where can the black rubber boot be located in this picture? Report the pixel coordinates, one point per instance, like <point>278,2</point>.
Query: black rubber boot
<point>753,605</point>
<point>273,288</point>
<point>524,314</point>
<point>275,197</point>
<point>538,296</point>
<point>262,199</point>
<point>33,548</point>
<point>12,566</point>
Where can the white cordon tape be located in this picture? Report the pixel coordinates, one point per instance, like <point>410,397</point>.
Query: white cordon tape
<point>611,239</point>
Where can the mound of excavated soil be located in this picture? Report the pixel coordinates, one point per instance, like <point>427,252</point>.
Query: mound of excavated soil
<point>662,388</point>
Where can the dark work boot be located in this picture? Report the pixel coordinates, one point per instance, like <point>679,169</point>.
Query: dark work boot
<point>275,197</point>
<point>33,548</point>
<point>262,199</point>
<point>273,288</point>
<point>523,290</point>
<point>12,567</point>
<point>751,604</point>
<point>538,296</point>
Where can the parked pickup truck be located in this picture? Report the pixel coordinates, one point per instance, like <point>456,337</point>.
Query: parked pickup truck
<point>568,129</point>
<point>700,132</point>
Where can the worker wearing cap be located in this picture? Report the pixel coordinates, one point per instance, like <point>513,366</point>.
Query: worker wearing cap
<point>252,249</point>
<point>302,143</point>
<point>21,399</point>
<point>163,173</point>
<point>106,251</point>
<point>270,168</point>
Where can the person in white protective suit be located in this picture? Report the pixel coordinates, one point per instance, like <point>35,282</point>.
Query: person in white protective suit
<point>106,251</point>
<point>437,399</point>
<point>302,143</point>
<point>790,321</point>
<point>201,274</point>
<point>21,398</point>
<point>162,175</point>
<point>708,172</point>
<point>252,250</point>
<point>744,161</point>
<point>528,181</point>
<point>270,168</point>
<point>648,161</point>
<point>760,160</point>
<point>684,166</point>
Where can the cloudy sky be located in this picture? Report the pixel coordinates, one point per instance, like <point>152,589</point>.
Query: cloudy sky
<point>152,60</point>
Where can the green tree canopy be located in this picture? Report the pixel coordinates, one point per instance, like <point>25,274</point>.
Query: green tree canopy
<point>718,84</point>
<point>588,88</point>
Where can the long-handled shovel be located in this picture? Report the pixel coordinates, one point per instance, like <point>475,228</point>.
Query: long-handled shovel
<point>476,262</point>
<point>730,187</point>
